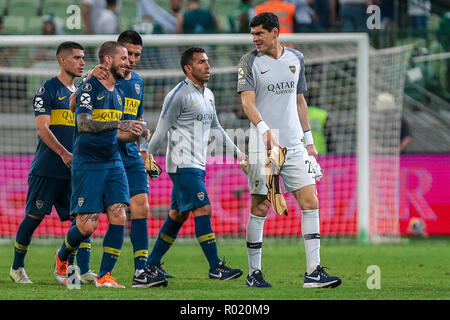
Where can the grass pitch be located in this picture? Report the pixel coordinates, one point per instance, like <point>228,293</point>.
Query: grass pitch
<point>416,270</point>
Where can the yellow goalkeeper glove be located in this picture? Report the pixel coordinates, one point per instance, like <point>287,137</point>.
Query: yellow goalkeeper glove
<point>152,167</point>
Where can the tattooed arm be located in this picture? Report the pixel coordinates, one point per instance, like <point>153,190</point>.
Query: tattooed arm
<point>87,125</point>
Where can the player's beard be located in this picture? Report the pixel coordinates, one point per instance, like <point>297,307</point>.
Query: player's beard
<point>115,73</point>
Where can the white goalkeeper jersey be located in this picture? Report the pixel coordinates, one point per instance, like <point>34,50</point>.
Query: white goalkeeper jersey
<point>276,83</point>
<point>186,118</point>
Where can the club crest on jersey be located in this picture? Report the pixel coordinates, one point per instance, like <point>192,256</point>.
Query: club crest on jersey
<point>80,201</point>
<point>201,196</point>
<point>292,68</point>
<point>256,183</point>
<point>86,87</point>
<point>39,204</point>
<point>137,87</point>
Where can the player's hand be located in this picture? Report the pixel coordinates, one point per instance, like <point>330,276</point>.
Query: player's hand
<point>133,126</point>
<point>67,159</point>
<point>312,151</point>
<point>243,161</point>
<point>100,72</point>
<point>146,134</point>
<point>270,140</point>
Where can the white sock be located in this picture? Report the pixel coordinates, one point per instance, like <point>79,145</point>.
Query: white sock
<point>311,237</point>
<point>254,237</point>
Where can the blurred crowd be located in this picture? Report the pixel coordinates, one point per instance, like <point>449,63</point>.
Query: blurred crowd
<point>191,16</point>
<point>214,16</point>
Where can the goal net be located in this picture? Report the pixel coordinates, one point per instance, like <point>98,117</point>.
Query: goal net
<point>360,88</point>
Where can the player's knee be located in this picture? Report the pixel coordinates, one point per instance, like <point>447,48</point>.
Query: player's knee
<point>202,211</point>
<point>139,207</point>
<point>178,216</point>
<point>87,223</point>
<point>260,208</point>
<point>116,214</point>
<point>309,203</point>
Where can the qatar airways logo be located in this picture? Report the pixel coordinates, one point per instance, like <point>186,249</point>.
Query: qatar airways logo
<point>284,87</point>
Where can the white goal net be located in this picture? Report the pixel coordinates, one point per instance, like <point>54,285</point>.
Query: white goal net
<point>361,90</point>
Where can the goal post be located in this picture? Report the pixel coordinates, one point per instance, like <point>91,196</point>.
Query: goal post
<point>354,83</point>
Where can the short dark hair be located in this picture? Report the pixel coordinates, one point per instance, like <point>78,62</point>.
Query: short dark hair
<point>187,55</point>
<point>109,48</point>
<point>130,36</point>
<point>68,45</point>
<point>268,20</point>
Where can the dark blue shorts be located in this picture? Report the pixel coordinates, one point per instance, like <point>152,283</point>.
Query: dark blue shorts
<point>189,189</point>
<point>44,193</point>
<point>137,180</point>
<point>94,190</point>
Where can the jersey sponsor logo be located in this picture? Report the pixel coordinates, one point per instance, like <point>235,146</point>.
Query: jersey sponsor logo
<point>85,98</point>
<point>205,117</point>
<point>262,72</point>
<point>284,87</point>
<point>38,105</point>
<point>62,117</point>
<point>292,68</point>
<point>119,99</point>
<point>131,106</point>
<point>100,98</point>
<point>106,115</point>
<point>241,77</point>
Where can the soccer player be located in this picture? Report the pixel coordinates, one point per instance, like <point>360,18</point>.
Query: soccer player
<point>271,82</point>
<point>188,113</point>
<point>99,182</point>
<point>132,87</point>
<point>49,176</point>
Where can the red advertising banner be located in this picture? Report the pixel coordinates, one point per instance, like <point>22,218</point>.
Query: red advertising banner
<point>423,193</point>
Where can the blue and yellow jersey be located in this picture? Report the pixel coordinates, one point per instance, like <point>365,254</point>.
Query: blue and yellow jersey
<point>91,151</point>
<point>133,109</point>
<point>52,99</point>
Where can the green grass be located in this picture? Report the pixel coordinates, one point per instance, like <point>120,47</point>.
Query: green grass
<point>418,269</point>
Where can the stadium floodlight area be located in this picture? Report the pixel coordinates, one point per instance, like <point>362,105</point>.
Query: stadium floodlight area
<point>360,88</point>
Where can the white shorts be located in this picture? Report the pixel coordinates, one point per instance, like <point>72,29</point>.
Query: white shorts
<point>294,172</point>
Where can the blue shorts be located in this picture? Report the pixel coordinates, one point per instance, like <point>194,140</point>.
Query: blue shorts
<point>94,190</point>
<point>137,180</point>
<point>189,189</point>
<point>44,193</point>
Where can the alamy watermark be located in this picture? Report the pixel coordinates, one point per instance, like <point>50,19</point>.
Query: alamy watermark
<point>374,19</point>
<point>374,280</point>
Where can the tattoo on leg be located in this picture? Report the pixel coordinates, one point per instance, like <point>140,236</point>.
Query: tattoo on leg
<point>117,208</point>
<point>84,218</point>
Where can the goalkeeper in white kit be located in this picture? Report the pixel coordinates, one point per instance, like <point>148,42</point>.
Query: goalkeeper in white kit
<point>271,82</point>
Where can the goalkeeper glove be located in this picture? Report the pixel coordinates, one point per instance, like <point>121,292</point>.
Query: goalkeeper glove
<point>152,167</point>
<point>244,165</point>
<point>315,168</point>
<point>275,159</point>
